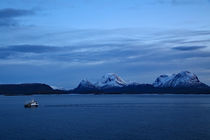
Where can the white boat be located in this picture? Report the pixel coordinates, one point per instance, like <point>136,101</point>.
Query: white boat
<point>32,103</point>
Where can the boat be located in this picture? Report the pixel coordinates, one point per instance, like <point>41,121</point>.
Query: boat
<point>32,103</point>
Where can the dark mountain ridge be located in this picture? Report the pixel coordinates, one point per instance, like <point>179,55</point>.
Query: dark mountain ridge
<point>28,89</point>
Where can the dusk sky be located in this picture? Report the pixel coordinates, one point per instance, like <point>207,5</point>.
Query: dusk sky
<point>61,42</point>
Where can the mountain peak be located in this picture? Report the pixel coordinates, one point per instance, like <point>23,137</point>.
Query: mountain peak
<point>111,80</point>
<point>85,84</point>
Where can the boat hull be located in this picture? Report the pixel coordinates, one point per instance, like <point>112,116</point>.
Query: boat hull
<point>30,106</point>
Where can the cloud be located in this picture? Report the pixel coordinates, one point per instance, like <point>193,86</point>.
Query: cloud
<point>198,41</point>
<point>110,48</point>
<point>28,48</point>
<point>25,51</point>
<point>188,48</point>
<point>11,13</point>
<point>8,16</point>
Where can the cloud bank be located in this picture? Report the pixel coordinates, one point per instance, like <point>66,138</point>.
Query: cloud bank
<point>189,48</point>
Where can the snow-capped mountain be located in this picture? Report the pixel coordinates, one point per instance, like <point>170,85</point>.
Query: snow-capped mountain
<point>182,79</point>
<point>110,80</point>
<point>86,84</point>
<point>85,87</point>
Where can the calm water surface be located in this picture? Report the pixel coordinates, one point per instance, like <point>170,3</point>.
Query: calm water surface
<point>106,117</point>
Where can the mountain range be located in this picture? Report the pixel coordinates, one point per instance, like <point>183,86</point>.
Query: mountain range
<point>183,82</point>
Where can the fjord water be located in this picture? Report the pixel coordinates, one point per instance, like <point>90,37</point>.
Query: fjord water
<point>106,117</point>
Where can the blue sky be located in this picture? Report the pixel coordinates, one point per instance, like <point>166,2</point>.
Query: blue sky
<point>61,42</point>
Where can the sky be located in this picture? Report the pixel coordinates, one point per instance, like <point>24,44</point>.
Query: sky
<point>61,42</point>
